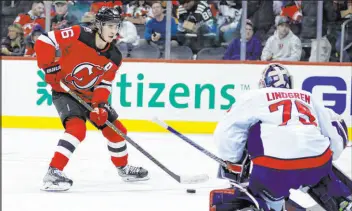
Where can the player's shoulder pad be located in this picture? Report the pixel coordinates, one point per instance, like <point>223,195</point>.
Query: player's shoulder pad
<point>86,36</point>
<point>115,54</point>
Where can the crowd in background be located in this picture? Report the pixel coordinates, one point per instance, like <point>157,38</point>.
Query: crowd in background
<point>284,30</point>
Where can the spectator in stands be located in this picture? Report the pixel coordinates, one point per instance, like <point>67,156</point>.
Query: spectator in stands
<point>196,26</point>
<point>138,12</point>
<point>88,19</point>
<point>13,44</point>
<point>30,40</point>
<point>283,45</point>
<point>79,7</point>
<point>253,46</point>
<point>309,28</point>
<point>62,18</point>
<point>155,30</point>
<point>344,12</point>
<point>228,20</point>
<point>127,33</point>
<point>97,4</point>
<point>174,7</point>
<point>292,10</point>
<point>262,16</point>
<point>33,17</point>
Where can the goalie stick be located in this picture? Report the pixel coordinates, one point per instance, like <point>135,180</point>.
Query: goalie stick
<point>184,179</point>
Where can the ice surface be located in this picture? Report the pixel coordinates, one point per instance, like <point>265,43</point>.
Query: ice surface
<point>97,186</point>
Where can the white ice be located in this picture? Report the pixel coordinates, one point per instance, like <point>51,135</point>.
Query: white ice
<point>27,153</point>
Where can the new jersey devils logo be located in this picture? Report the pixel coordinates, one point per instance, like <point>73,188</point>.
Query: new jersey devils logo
<point>85,75</point>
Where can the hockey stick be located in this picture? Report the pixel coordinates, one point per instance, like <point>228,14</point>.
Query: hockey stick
<point>241,169</point>
<point>175,132</point>
<point>184,179</point>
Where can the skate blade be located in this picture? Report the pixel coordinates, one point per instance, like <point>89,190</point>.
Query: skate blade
<point>135,179</point>
<point>50,187</point>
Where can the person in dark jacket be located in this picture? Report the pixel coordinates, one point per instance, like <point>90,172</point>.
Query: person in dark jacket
<point>62,18</point>
<point>253,46</point>
<point>262,16</point>
<point>309,28</point>
<point>13,44</point>
<point>310,15</point>
<point>30,40</point>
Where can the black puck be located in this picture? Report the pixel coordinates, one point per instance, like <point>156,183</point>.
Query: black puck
<point>191,191</point>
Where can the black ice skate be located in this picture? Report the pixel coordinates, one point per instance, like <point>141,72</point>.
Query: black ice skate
<point>56,180</point>
<point>131,173</point>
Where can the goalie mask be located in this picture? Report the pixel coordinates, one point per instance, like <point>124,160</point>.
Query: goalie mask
<point>275,75</point>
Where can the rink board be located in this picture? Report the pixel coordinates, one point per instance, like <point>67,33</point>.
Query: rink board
<point>192,97</point>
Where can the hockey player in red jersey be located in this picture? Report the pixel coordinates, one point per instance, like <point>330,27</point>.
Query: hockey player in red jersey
<point>88,66</point>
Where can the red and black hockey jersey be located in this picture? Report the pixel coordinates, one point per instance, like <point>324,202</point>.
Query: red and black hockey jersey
<point>87,70</point>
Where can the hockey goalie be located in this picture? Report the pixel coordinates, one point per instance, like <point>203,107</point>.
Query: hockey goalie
<point>291,140</point>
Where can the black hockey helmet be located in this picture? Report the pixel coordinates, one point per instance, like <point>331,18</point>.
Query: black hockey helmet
<point>107,14</point>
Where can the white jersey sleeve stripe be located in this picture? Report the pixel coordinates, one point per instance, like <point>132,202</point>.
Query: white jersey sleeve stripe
<point>46,40</point>
<point>103,87</point>
<point>51,35</point>
<point>106,82</point>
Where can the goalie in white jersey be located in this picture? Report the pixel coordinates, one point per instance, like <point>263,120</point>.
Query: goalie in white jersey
<point>288,135</point>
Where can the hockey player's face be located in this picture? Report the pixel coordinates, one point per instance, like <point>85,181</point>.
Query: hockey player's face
<point>109,31</point>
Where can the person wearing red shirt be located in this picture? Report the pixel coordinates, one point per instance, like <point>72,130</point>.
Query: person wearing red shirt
<point>30,19</point>
<point>96,5</point>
